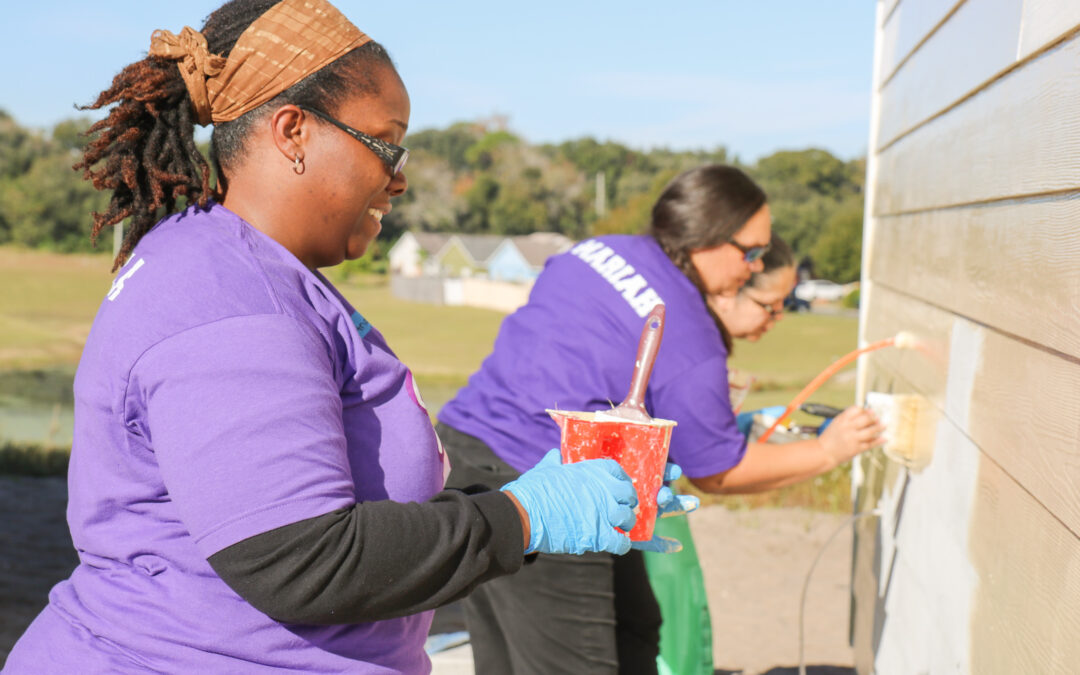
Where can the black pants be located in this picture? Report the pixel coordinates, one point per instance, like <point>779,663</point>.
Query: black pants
<point>593,613</point>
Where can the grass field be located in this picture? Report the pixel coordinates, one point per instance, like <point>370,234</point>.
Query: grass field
<point>50,301</point>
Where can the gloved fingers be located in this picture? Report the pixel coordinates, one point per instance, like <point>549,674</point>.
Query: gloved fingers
<point>678,506</point>
<point>658,544</point>
<point>611,475</point>
<point>671,472</point>
<point>745,422</point>
<point>616,542</point>
<point>664,497</point>
<point>621,516</point>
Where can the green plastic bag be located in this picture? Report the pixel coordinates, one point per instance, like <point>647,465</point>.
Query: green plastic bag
<point>679,586</point>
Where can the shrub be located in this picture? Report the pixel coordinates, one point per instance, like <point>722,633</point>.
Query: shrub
<point>33,459</point>
<point>851,300</point>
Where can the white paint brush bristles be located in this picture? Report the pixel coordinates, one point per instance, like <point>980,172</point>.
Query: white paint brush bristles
<point>909,426</point>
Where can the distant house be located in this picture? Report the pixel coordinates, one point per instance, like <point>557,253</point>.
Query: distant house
<point>467,255</point>
<point>478,270</point>
<point>417,254</point>
<point>520,259</point>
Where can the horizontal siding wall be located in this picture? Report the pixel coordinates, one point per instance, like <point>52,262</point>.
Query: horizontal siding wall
<point>972,241</point>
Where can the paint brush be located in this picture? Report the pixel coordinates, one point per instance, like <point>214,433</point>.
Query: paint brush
<point>909,421</point>
<point>632,409</point>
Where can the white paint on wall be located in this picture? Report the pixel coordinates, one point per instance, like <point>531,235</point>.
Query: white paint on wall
<point>927,582</point>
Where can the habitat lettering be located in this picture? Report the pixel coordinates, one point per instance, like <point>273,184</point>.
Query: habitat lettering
<point>633,287</point>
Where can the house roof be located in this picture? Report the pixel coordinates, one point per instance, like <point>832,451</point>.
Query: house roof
<point>480,246</point>
<point>537,247</point>
<point>431,242</point>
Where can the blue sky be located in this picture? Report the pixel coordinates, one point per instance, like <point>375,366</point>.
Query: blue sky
<point>753,76</point>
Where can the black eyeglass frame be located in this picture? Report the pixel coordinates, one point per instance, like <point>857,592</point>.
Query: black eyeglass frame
<point>751,253</point>
<point>769,308</point>
<point>392,156</point>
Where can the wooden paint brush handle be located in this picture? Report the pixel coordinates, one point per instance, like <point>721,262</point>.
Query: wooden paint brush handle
<point>648,346</point>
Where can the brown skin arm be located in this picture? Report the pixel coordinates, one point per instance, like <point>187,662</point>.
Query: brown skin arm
<point>767,466</point>
<point>525,528</point>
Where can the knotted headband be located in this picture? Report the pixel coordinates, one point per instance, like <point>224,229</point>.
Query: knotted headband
<point>291,40</point>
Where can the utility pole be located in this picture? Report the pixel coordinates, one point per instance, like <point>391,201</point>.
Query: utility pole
<point>601,195</point>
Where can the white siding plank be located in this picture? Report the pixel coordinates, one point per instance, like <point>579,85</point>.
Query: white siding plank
<point>1045,21</point>
<point>887,7</point>
<point>977,42</point>
<point>906,27</point>
<point>1020,136</point>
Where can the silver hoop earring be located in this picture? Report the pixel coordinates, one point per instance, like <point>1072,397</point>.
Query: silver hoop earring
<point>298,165</point>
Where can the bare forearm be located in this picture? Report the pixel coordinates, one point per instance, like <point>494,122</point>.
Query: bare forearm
<point>767,466</point>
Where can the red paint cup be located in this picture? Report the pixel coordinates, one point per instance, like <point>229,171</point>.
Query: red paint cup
<point>640,448</point>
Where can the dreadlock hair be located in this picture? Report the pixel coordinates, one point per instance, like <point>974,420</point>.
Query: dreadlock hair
<point>144,151</point>
<point>702,208</point>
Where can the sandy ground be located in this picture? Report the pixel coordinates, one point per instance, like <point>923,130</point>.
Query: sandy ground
<point>755,563</point>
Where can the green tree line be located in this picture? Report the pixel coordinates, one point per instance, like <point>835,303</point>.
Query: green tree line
<point>480,177</point>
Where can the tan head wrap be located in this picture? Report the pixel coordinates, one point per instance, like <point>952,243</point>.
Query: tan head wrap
<point>291,40</point>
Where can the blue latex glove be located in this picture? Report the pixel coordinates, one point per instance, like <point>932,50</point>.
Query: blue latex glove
<point>745,421</point>
<point>668,504</point>
<point>575,508</point>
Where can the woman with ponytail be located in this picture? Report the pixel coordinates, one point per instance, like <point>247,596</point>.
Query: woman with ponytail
<point>571,347</point>
<point>254,483</point>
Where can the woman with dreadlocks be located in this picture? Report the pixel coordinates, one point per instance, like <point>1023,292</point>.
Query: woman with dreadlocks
<point>254,482</point>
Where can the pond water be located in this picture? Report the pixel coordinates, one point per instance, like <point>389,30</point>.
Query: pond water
<point>36,423</point>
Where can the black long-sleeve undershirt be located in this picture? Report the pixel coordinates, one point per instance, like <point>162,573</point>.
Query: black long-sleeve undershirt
<point>376,560</point>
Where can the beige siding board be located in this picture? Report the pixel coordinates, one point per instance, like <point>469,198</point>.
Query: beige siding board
<point>1026,617</point>
<point>1019,136</point>
<point>906,27</point>
<point>1025,404</point>
<point>1014,266</point>
<point>977,42</point>
<point>1046,21</point>
<point>1025,415</point>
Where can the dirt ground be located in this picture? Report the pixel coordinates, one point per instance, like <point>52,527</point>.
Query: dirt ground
<point>754,562</point>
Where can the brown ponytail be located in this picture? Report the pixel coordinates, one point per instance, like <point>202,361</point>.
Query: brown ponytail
<point>702,208</point>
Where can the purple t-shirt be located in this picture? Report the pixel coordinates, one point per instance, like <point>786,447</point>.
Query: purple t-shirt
<point>225,390</point>
<point>572,346</point>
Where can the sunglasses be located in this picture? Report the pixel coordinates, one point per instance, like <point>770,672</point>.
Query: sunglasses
<point>770,308</point>
<point>750,253</point>
<point>392,156</point>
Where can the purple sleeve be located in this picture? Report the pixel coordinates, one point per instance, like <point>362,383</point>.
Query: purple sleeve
<point>706,440</point>
<point>244,418</point>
